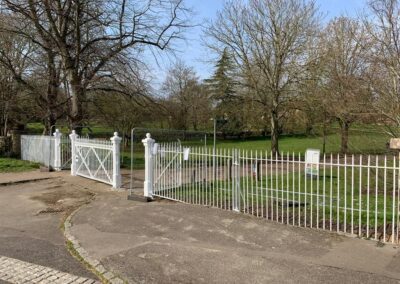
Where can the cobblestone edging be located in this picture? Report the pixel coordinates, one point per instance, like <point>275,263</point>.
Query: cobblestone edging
<point>17,271</point>
<point>106,275</point>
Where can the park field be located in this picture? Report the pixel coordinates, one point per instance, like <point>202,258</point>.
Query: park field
<point>360,142</point>
<point>363,139</point>
<point>14,165</point>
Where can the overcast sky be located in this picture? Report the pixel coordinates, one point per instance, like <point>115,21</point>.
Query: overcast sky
<point>195,55</point>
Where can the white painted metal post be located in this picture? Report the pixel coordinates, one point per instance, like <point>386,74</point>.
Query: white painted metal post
<point>116,142</point>
<point>236,181</point>
<point>73,137</point>
<point>57,150</point>
<point>214,147</point>
<point>148,143</point>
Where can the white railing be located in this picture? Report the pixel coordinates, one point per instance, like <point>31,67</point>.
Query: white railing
<point>96,159</point>
<point>50,151</point>
<point>356,195</point>
<point>37,148</point>
<point>65,152</point>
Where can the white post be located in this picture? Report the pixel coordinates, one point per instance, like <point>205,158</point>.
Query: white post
<point>57,150</point>
<point>73,137</point>
<point>236,181</point>
<point>148,143</point>
<point>116,142</point>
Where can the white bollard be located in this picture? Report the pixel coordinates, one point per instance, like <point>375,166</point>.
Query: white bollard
<point>116,142</point>
<point>57,150</point>
<point>148,143</point>
<point>73,137</point>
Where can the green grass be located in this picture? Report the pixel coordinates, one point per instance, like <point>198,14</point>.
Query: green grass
<point>13,165</point>
<point>35,128</point>
<point>138,159</point>
<point>363,139</point>
<point>372,143</point>
<point>92,131</point>
<point>359,143</point>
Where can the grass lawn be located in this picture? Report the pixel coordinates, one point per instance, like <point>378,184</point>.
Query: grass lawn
<point>371,143</point>
<point>363,139</point>
<point>93,131</point>
<point>366,138</point>
<point>359,143</point>
<point>13,165</point>
<point>35,128</point>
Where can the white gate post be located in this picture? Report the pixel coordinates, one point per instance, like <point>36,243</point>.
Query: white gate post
<point>116,142</point>
<point>236,182</point>
<point>148,143</point>
<point>57,150</point>
<point>73,137</point>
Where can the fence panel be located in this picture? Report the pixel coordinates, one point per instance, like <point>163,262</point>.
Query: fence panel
<point>355,195</point>
<point>65,150</point>
<point>37,148</point>
<point>41,149</point>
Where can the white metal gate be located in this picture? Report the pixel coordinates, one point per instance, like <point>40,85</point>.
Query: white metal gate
<point>96,159</point>
<point>168,175</point>
<point>65,153</point>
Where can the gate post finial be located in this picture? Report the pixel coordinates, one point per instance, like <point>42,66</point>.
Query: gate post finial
<point>73,137</point>
<point>116,142</point>
<point>57,150</point>
<point>148,143</point>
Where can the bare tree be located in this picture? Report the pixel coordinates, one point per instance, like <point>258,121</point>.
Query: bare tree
<point>88,34</point>
<point>347,49</point>
<point>268,41</point>
<point>383,25</point>
<point>186,99</point>
<point>123,101</point>
<point>32,66</point>
<point>16,85</point>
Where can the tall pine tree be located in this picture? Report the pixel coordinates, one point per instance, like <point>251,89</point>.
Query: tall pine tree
<point>224,97</point>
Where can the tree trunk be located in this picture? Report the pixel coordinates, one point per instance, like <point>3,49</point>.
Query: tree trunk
<point>5,129</point>
<point>77,95</point>
<point>274,133</point>
<point>52,93</point>
<point>324,139</point>
<point>49,123</point>
<point>5,117</point>
<point>344,131</point>
<point>195,124</point>
<point>309,128</point>
<point>324,134</point>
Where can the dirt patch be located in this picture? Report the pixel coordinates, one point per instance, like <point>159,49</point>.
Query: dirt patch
<point>59,199</point>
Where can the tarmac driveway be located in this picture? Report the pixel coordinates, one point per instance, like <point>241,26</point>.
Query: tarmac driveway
<point>167,242</point>
<point>31,214</point>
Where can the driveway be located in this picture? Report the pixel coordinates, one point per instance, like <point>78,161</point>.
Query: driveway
<point>167,242</point>
<point>31,214</point>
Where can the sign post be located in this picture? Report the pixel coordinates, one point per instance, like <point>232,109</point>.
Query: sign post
<point>312,163</point>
